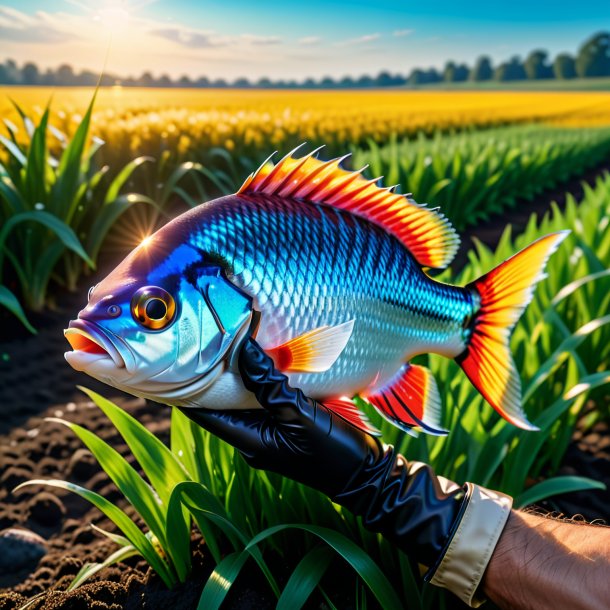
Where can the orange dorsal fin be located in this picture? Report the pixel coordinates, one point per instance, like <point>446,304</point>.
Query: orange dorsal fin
<point>411,400</point>
<point>427,234</point>
<point>314,351</point>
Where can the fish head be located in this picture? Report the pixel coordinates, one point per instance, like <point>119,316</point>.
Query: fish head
<point>164,328</point>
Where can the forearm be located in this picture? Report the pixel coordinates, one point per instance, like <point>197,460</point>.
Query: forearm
<point>542,563</point>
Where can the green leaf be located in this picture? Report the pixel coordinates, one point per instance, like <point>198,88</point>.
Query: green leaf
<point>137,492</point>
<point>304,579</point>
<point>51,222</point>
<point>554,486</point>
<point>221,580</point>
<point>120,519</point>
<point>364,566</point>
<point>119,181</point>
<point>160,465</point>
<point>91,569</point>
<point>10,301</point>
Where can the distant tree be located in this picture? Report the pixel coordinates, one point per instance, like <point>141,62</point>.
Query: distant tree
<point>347,82</point>
<point>87,78</point>
<point>242,83</point>
<point>4,75</point>
<point>30,74</point>
<point>147,80</point>
<point>309,83</point>
<point>13,72</point>
<point>449,72</point>
<point>164,81</point>
<point>462,71</point>
<point>564,66</point>
<point>365,81</point>
<point>64,75</point>
<point>511,70</point>
<point>264,83</point>
<point>327,83</point>
<point>433,76</point>
<point>48,78</point>
<point>482,70</point>
<point>536,65</point>
<point>219,83</point>
<point>385,79</point>
<point>108,80</point>
<point>185,82</point>
<point>593,57</point>
<point>417,77</point>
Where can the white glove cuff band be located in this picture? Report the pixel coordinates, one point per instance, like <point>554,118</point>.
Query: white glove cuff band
<point>473,544</point>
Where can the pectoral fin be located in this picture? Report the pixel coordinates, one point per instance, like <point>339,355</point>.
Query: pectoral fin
<point>314,351</point>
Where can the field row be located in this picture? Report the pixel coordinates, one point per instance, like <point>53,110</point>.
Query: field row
<point>187,123</point>
<point>472,175</point>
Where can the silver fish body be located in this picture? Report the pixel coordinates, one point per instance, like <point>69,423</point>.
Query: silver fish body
<point>308,266</point>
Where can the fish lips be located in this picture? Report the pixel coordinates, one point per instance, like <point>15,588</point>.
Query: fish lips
<point>93,347</point>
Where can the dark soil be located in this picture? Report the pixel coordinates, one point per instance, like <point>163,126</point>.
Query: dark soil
<point>36,382</point>
<point>489,231</point>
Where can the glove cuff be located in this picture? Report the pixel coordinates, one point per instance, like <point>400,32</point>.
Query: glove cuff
<point>469,550</point>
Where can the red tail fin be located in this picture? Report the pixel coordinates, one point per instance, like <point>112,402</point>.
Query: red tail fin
<point>504,292</point>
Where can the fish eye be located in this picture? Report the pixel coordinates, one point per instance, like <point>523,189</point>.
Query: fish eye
<point>153,307</point>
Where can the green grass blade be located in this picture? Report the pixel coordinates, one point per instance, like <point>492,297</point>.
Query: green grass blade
<point>305,578</point>
<point>221,580</point>
<point>91,569</point>
<point>554,486</point>
<point>122,177</point>
<point>364,566</point>
<point>137,492</point>
<point>10,301</point>
<point>120,519</point>
<point>160,465</point>
<point>51,222</point>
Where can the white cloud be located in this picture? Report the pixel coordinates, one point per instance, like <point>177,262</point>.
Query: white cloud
<point>186,38</point>
<point>39,28</point>
<point>403,32</point>
<point>260,40</point>
<point>309,40</point>
<point>358,41</point>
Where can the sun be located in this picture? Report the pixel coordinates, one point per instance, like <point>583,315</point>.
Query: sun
<point>113,16</point>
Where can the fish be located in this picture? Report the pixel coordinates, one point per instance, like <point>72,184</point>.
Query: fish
<point>333,274</point>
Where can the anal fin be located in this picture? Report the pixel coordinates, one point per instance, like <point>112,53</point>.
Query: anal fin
<point>314,351</point>
<point>411,401</point>
<point>345,408</point>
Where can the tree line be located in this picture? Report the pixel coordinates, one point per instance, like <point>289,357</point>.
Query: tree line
<point>591,60</point>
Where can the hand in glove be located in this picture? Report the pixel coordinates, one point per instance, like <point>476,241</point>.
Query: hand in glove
<point>450,529</point>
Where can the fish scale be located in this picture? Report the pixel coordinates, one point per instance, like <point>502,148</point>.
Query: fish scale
<point>312,265</point>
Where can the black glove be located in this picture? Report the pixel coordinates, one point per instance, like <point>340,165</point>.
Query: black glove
<point>300,438</point>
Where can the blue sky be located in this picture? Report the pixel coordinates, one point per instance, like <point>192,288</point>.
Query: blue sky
<point>287,39</point>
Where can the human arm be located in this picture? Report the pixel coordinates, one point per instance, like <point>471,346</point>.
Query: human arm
<point>542,563</point>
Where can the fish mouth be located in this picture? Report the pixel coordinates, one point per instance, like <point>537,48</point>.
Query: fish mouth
<point>90,344</point>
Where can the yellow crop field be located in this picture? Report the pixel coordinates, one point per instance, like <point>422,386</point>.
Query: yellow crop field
<point>149,121</point>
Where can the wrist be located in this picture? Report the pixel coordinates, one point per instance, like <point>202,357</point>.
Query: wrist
<point>542,563</point>
<point>468,551</point>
